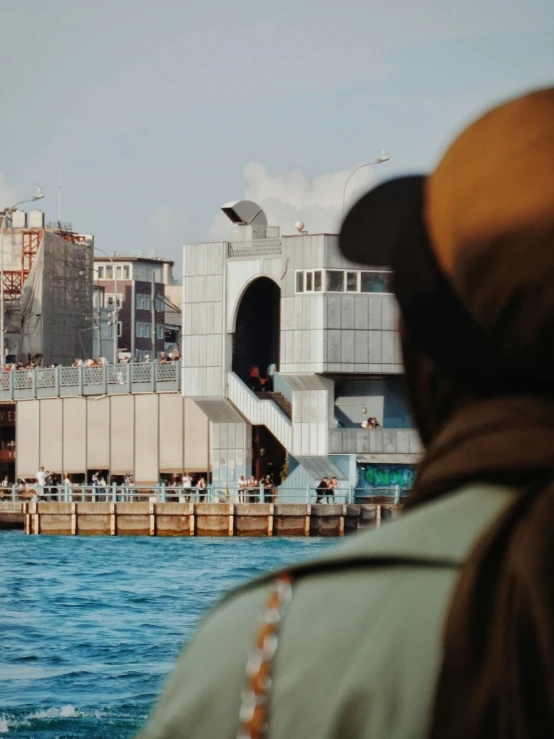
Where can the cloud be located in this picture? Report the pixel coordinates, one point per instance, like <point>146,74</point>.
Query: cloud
<point>166,227</point>
<point>8,193</point>
<point>292,197</point>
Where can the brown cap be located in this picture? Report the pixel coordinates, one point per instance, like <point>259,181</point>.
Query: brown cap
<point>496,180</point>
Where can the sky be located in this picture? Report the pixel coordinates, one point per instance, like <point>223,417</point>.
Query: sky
<point>158,113</point>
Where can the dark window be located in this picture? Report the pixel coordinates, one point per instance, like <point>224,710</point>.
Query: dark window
<point>309,281</point>
<point>351,282</point>
<point>335,281</point>
<point>317,281</point>
<point>376,282</point>
<point>300,282</point>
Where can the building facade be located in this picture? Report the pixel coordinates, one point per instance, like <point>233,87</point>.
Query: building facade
<point>330,328</point>
<point>47,288</point>
<point>321,330</point>
<point>141,301</point>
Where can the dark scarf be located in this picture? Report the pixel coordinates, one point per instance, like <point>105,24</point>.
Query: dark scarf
<point>497,675</point>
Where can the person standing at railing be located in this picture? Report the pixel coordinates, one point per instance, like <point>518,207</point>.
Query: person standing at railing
<point>271,370</point>
<point>102,485</point>
<point>187,487</point>
<point>333,482</point>
<point>5,486</point>
<point>41,481</point>
<point>201,489</point>
<point>322,490</point>
<point>251,485</point>
<point>241,487</point>
<point>255,378</point>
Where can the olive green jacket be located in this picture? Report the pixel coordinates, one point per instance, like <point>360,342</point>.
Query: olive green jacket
<point>360,646</point>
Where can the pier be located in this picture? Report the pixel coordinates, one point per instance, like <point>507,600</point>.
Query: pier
<point>192,519</point>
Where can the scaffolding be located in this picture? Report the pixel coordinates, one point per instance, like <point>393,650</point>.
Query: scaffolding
<point>56,302</point>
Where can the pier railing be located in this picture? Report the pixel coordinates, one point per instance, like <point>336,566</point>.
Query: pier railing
<point>212,493</point>
<point>110,379</point>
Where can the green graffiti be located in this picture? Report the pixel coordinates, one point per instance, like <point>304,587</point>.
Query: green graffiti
<point>389,476</point>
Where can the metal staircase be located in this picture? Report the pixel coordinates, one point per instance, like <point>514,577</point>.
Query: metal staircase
<point>279,399</point>
<point>263,409</point>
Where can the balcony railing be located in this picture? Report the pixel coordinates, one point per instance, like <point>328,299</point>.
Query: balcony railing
<point>375,441</point>
<point>256,248</point>
<point>111,379</point>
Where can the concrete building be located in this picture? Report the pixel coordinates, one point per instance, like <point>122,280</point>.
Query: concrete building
<point>329,326</point>
<point>47,286</point>
<point>141,301</point>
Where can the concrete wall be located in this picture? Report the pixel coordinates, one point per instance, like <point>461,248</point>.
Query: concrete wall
<point>312,413</point>
<point>382,397</point>
<point>303,340</point>
<point>320,332</point>
<point>203,319</point>
<point>141,434</point>
<point>230,441</point>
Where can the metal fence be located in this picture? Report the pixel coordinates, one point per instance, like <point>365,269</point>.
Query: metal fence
<point>55,382</point>
<point>213,493</point>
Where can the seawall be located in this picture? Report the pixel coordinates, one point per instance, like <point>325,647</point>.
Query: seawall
<point>193,519</point>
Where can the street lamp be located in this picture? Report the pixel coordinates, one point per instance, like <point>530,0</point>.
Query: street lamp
<point>7,212</point>
<point>115,308</point>
<point>383,158</point>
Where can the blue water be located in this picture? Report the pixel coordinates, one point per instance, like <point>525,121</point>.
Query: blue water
<point>90,627</point>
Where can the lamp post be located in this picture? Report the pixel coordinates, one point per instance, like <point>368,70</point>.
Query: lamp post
<point>7,212</point>
<point>383,158</point>
<point>115,306</point>
<point>93,327</point>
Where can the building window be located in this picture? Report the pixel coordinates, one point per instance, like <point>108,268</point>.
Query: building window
<point>109,272</point>
<point>160,304</point>
<point>120,329</point>
<point>339,281</point>
<point>143,301</point>
<point>376,282</point>
<point>100,272</point>
<point>143,330</point>
<point>334,281</point>
<point>160,331</point>
<point>118,271</point>
<point>126,272</point>
<point>351,282</point>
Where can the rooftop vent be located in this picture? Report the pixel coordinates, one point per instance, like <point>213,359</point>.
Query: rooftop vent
<point>245,212</point>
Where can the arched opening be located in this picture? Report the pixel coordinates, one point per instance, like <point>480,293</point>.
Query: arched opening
<point>256,337</point>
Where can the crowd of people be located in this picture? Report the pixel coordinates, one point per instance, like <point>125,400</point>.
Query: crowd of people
<point>164,358</point>
<point>186,488</point>
<point>248,490</point>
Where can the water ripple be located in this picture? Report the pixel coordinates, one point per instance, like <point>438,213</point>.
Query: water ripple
<point>90,627</point>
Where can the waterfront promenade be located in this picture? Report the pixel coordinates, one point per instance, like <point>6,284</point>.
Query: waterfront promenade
<point>153,518</point>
